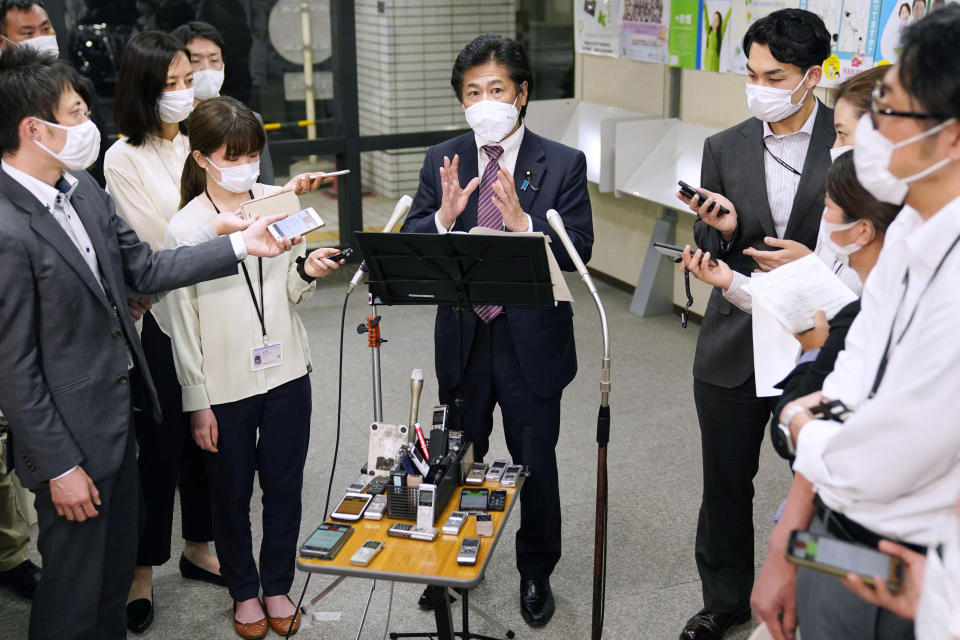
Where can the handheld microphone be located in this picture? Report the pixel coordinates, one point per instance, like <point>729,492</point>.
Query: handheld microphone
<point>399,211</point>
<point>416,386</point>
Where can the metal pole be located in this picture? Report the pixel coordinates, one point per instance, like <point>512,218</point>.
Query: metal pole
<point>309,95</point>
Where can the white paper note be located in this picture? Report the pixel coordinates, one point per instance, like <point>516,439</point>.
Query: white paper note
<point>794,292</point>
<point>774,349</point>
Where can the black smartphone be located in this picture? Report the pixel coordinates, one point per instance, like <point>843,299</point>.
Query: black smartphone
<point>840,558</point>
<point>688,192</point>
<point>343,255</point>
<point>674,252</point>
<point>326,541</point>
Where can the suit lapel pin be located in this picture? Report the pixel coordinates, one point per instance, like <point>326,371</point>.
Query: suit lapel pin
<point>526,181</point>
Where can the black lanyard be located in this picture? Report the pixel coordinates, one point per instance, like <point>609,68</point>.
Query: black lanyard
<point>882,367</point>
<point>261,310</point>
<point>783,163</point>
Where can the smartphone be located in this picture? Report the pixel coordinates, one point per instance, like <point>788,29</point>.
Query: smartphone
<point>840,558</point>
<point>298,224</point>
<point>469,548</point>
<point>674,252</point>
<point>342,255</point>
<point>688,192</point>
<point>271,205</point>
<point>473,499</point>
<point>365,554</point>
<point>352,505</point>
<point>326,540</point>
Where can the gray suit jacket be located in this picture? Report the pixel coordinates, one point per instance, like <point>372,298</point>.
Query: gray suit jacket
<point>64,379</point>
<point>733,164</point>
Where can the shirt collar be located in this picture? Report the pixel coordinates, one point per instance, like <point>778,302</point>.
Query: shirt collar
<point>807,127</point>
<point>929,240</point>
<point>42,191</point>
<point>509,144</point>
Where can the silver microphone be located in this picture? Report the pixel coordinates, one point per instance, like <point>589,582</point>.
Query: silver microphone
<point>399,211</point>
<point>416,386</point>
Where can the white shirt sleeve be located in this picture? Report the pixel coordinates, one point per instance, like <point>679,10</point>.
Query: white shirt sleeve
<point>67,472</point>
<point>239,245</point>
<point>738,295</point>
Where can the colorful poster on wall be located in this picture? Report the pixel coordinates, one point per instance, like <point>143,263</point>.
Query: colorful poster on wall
<point>853,26</point>
<point>684,34</point>
<point>895,16</point>
<point>745,13</point>
<point>643,30</point>
<point>716,49</point>
<point>596,27</point>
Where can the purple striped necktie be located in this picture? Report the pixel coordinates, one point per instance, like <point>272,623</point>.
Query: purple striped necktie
<point>488,215</point>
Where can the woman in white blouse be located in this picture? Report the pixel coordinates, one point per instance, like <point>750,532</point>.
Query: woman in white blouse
<point>143,168</point>
<point>243,362</point>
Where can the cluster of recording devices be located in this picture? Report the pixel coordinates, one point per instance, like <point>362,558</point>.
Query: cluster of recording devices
<point>418,467</point>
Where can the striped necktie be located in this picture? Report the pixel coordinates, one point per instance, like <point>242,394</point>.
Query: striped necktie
<point>488,215</point>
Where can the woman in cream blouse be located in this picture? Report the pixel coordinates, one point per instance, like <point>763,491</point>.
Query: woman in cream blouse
<point>243,362</point>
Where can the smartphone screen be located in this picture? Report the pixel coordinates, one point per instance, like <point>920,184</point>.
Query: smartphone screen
<point>352,505</point>
<point>843,557</point>
<point>473,499</point>
<point>324,538</point>
<point>298,224</point>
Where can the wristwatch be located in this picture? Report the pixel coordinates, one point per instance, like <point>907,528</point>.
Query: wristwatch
<point>786,417</point>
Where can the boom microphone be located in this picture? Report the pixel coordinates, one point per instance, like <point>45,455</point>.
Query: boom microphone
<point>416,386</point>
<point>399,211</point>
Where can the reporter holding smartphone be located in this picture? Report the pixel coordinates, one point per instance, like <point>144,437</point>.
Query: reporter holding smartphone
<point>243,362</point>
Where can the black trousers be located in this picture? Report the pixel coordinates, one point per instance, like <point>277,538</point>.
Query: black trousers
<point>168,458</point>
<point>732,426</point>
<point>282,418</point>
<point>88,566</point>
<point>492,376</point>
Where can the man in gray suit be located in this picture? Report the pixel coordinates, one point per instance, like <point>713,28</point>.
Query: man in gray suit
<point>67,352</point>
<point>769,172</point>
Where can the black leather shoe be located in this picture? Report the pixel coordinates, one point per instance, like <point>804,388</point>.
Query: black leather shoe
<point>191,571</point>
<point>536,601</point>
<point>429,594</point>
<point>23,579</point>
<point>140,614</point>
<point>712,625</point>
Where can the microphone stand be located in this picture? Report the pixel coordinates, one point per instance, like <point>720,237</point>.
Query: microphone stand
<point>603,436</point>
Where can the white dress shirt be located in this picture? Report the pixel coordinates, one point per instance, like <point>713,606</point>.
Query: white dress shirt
<point>214,324</point>
<point>781,190</point>
<point>508,160</point>
<point>894,465</point>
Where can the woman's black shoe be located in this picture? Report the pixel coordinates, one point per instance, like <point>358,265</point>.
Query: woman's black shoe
<point>191,571</point>
<point>140,614</point>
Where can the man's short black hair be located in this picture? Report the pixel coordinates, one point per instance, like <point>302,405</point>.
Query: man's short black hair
<point>31,84</point>
<point>187,33</point>
<point>794,36</point>
<point>492,47</point>
<point>15,5</point>
<point>140,82</point>
<point>929,67</point>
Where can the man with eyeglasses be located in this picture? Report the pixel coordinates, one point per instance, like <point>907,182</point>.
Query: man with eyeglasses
<point>891,470</point>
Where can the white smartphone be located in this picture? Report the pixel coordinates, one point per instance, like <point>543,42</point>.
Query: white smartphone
<point>297,224</point>
<point>365,554</point>
<point>352,506</point>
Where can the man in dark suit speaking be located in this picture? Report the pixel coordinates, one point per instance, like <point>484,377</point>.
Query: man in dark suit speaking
<point>770,172</point>
<point>67,352</point>
<point>503,176</point>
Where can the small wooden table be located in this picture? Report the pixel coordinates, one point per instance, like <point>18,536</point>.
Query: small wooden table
<point>431,563</point>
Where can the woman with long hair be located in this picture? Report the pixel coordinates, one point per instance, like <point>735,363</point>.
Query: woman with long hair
<point>243,361</point>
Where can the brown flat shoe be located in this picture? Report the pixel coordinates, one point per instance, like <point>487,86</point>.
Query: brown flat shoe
<point>249,630</point>
<point>281,626</point>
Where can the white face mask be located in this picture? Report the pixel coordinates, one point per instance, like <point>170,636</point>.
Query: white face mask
<point>81,148</point>
<point>236,179</point>
<point>773,105</point>
<point>175,106</point>
<point>836,152</point>
<point>871,158</point>
<point>207,83</point>
<point>491,120</point>
<point>43,44</point>
<point>843,252</point>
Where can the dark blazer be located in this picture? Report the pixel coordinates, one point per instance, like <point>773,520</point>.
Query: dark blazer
<point>809,376</point>
<point>64,378</point>
<point>543,338</point>
<point>733,165</point>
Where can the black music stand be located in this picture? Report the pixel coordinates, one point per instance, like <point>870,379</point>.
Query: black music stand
<point>458,269</point>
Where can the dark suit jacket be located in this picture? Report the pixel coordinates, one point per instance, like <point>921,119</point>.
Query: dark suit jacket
<point>809,376</point>
<point>543,338</point>
<point>733,164</point>
<point>64,383</point>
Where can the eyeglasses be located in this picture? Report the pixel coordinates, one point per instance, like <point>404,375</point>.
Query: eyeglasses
<point>877,95</point>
